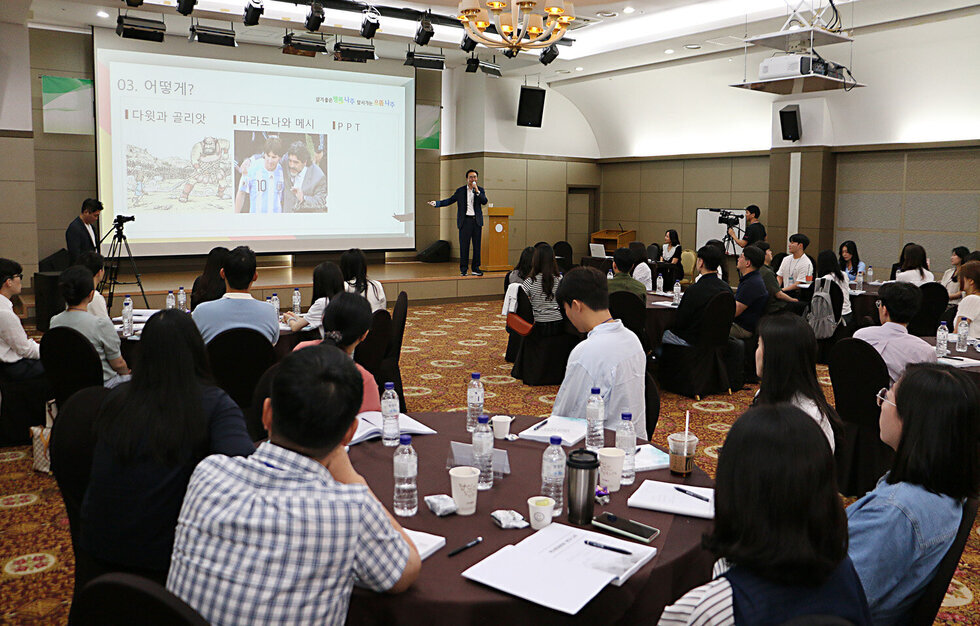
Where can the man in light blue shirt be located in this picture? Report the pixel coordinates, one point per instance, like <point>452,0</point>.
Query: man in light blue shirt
<point>611,358</point>
<point>237,308</point>
<point>897,304</point>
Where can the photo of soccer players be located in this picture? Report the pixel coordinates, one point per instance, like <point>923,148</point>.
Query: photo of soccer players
<point>279,173</point>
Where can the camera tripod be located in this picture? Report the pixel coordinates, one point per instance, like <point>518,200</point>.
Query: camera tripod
<point>113,260</point>
<point>728,242</point>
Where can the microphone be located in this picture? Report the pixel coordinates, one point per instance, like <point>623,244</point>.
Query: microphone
<point>621,229</point>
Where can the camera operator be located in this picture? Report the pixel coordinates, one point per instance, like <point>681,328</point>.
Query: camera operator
<point>754,232</point>
<point>80,236</point>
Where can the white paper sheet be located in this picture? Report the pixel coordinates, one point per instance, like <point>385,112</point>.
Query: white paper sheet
<point>426,543</point>
<point>659,496</point>
<point>650,458</point>
<point>571,430</point>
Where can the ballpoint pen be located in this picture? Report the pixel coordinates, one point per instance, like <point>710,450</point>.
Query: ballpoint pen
<point>541,425</point>
<point>466,547</point>
<point>596,544</point>
<point>692,494</point>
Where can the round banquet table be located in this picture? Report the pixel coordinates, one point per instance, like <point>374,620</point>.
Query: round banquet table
<point>441,595</point>
<point>659,318</point>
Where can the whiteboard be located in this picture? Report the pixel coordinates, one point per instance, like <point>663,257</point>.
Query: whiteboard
<point>709,228</point>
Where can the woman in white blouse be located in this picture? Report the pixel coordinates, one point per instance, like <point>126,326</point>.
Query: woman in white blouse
<point>915,268</point>
<point>328,281</point>
<point>969,308</point>
<point>354,267</point>
<point>950,279</point>
<point>672,247</point>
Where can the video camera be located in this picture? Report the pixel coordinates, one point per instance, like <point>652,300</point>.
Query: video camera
<point>727,217</point>
<point>122,219</point>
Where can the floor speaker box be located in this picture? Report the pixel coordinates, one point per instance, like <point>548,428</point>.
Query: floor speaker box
<point>436,253</point>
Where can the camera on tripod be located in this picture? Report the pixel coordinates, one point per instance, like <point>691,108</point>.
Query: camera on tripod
<point>727,217</point>
<point>122,219</point>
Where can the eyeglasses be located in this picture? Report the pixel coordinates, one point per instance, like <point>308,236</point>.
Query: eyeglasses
<point>882,397</point>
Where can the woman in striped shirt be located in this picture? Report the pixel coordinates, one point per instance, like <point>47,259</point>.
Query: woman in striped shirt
<point>541,286</point>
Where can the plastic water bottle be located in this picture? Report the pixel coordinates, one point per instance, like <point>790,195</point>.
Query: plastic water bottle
<point>474,401</point>
<point>595,417</point>
<point>389,414</point>
<point>677,292</point>
<point>483,452</point>
<point>962,335</point>
<point>859,282</point>
<point>171,300</point>
<point>268,300</point>
<point>626,441</point>
<point>182,299</point>
<point>553,474</point>
<point>406,478</point>
<point>275,302</point>
<point>127,315</point>
<point>870,274</point>
<point>942,340</point>
<point>609,275</point>
<point>660,283</point>
<point>297,301</point>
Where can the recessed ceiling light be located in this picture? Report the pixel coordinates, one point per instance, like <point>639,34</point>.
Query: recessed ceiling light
<point>628,10</point>
<point>606,14</point>
<point>669,51</point>
<point>693,46</point>
<point>102,14</point>
<point>579,69</point>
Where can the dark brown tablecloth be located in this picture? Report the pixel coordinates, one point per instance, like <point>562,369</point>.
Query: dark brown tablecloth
<point>659,318</point>
<point>442,596</point>
<point>971,353</point>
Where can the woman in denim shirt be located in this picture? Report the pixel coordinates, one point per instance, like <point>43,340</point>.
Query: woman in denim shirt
<point>900,531</point>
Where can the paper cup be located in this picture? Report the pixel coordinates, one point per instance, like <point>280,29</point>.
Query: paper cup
<point>540,510</point>
<point>611,468</point>
<point>501,425</point>
<point>463,480</point>
<point>682,453</point>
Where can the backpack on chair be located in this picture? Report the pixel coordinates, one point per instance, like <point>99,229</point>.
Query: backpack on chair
<point>820,313</point>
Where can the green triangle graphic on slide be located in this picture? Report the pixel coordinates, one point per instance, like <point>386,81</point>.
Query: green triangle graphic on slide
<point>54,86</point>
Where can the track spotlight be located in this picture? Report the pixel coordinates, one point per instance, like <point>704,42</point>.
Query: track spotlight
<point>216,36</point>
<point>185,7</point>
<point>472,65</point>
<point>370,23</point>
<point>315,17</point>
<point>303,46</point>
<point>139,28</point>
<point>467,44</point>
<point>425,61</point>
<point>549,54</point>
<point>253,10</point>
<point>425,31</point>
<point>510,53</point>
<point>354,52</point>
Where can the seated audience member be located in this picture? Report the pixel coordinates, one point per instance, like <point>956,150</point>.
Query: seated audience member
<point>690,313</point>
<point>20,356</point>
<point>897,267</point>
<point>346,323</point>
<point>950,279</point>
<point>973,256</point>
<point>900,531</point>
<point>622,279</point>
<point>751,296</point>
<point>328,281</point>
<point>849,260</point>
<point>779,300</point>
<point>151,432</point>
<point>611,357</point>
<point>897,305</point>
<point>776,561</point>
<point>523,268</point>
<point>210,285</point>
<point>76,288</point>
<point>541,285</point>
<point>353,265</point>
<point>95,264</point>
<point>722,269</point>
<point>786,363</point>
<point>827,268</point>
<point>671,252</point>
<point>796,266</point>
<point>969,307</point>
<point>237,308</point>
<point>641,271</point>
<point>280,537</point>
<point>915,269</point>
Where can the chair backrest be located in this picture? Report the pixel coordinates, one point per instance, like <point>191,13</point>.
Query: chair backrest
<point>688,260</point>
<point>631,310</point>
<point>70,362</point>
<point>253,414</point>
<point>935,299</point>
<point>717,320</point>
<point>639,250</point>
<point>924,611</point>
<point>563,254</point>
<point>398,316</point>
<point>371,351</point>
<point>857,372</point>
<point>239,357</point>
<point>119,599</point>
<point>651,396</point>
<point>654,252</point>
<point>777,260</point>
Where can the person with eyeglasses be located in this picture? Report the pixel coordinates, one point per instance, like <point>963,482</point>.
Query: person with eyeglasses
<point>897,303</point>
<point>20,356</point>
<point>899,533</point>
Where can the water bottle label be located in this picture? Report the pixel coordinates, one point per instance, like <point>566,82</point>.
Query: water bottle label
<point>390,407</point>
<point>474,396</point>
<point>406,466</point>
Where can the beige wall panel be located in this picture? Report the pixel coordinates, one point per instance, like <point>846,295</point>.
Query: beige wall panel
<point>457,172</point>
<point>54,171</point>
<point>428,156</point>
<point>811,171</point>
<point>708,175</point>
<point>578,223</point>
<point>662,176</point>
<point>779,172</point>
<point>546,205</point>
<point>942,211</point>
<point>583,174</point>
<point>662,206</point>
<point>56,209</point>
<point>546,175</point>
<point>425,236</point>
<point>16,159</point>
<point>19,242</point>
<point>50,240</point>
<point>428,290</point>
<point>943,170</point>
<point>580,245</point>
<point>688,234</point>
<point>517,235</point>
<point>620,177</point>
<point>426,177</point>
<point>875,171</point>
<point>17,197</point>
<point>869,210</point>
<point>809,211</point>
<point>60,51</point>
<point>516,199</point>
<point>653,232</point>
<point>504,174</point>
<point>620,206</point>
<point>778,238</point>
<point>545,230</point>
<point>777,215</point>
<point>879,248</point>
<point>479,287</point>
<point>425,215</point>
<point>703,200</point>
<point>615,225</point>
<point>750,174</point>
<point>578,203</point>
<point>742,199</point>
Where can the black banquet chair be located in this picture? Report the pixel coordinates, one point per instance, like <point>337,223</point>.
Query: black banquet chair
<point>370,352</point>
<point>123,599</point>
<point>253,414</point>
<point>651,396</point>
<point>654,252</point>
<point>513,339</point>
<point>632,311</point>
<point>541,360</point>
<point>699,370</point>
<point>390,369</point>
<point>239,357</point>
<point>563,256</point>
<point>935,299</point>
<point>70,362</point>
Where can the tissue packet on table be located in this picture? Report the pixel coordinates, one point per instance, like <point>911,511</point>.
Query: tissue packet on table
<point>508,519</point>
<point>441,504</point>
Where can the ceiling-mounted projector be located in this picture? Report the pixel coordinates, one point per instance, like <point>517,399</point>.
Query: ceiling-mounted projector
<point>797,65</point>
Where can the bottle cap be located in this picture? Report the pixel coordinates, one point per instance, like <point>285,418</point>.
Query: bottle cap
<point>595,390</point>
<point>942,323</point>
<point>475,375</point>
<point>483,419</point>
<point>405,440</point>
<point>627,417</point>
<point>556,440</point>
<point>171,291</point>
<point>275,295</point>
<point>389,386</point>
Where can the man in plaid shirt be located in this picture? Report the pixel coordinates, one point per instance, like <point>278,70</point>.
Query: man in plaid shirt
<point>280,537</point>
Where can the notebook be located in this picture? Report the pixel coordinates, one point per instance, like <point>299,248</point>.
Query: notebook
<point>426,543</point>
<point>659,496</point>
<point>650,458</point>
<point>571,430</point>
<point>369,426</point>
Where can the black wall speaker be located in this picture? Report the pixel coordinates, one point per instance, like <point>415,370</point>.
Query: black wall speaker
<point>530,109</point>
<point>789,122</point>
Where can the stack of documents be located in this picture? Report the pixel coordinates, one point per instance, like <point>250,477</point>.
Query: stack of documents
<point>659,496</point>
<point>571,430</point>
<point>369,426</point>
<point>650,458</point>
<point>959,361</point>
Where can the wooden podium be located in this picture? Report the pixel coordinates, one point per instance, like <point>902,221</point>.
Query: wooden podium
<point>495,242</point>
<point>612,239</point>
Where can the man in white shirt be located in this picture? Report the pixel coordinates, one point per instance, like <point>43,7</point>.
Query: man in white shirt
<point>19,354</point>
<point>796,266</point>
<point>611,357</point>
<point>237,308</point>
<point>95,264</point>
<point>897,304</point>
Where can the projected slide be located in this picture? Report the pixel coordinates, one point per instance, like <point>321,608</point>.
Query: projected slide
<point>206,152</point>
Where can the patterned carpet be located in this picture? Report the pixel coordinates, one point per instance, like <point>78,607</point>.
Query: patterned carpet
<point>443,344</point>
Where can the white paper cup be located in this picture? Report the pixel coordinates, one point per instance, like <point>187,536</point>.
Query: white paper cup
<point>540,509</point>
<point>501,425</point>
<point>463,480</point>
<point>611,468</point>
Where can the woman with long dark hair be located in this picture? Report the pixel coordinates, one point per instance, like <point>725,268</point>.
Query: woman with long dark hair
<point>900,531</point>
<point>523,268</point>
<point>897,267</point>
<point>950,279</point>
<point>672,247</point>
<point>328,281</point>
<point>780,533</point>
<point>849,260</point>
<point>353,265</point>
<point>786,363</point>
<point>151,433</point>
<point>915,267</point>
<point>827,267</point>
<point>210,285</point>
<point>541,286</point>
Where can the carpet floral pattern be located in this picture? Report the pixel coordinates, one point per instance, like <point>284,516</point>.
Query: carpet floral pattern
<point>443,344</point>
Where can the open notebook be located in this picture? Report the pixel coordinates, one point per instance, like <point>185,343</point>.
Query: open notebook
<point>659,496</point>
<point>369,426</point>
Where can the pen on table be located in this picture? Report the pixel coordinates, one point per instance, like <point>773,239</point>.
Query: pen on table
<point>595,544</point>
<point>692,494</point>
<point>541,425</point>
<point>466,547</point>
<point>953,358</point>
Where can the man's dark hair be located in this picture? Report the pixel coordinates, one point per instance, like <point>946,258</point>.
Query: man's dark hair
<point>315,397</point>
<point>467,175</point>
<point>585,284</point>
<point>755,256</point>
<point>973,256</point>
<point>754,210</point>
<point>762,245</point>
<point>300,151</point>
<point>939,407</point>
<point>623,259</point>
<point>8,269</point>
<point>94,261</point>
<point>801,239</point>
<point>273,145</point>
<point>75,284</point>
<point>710,256</point>
<point>902,301</point>
<point>239,267</point>
<point>91,205</point>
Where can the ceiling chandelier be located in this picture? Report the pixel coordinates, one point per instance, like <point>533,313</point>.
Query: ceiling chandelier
<point>520,28</point>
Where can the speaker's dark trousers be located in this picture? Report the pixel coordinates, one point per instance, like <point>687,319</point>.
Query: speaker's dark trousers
<point>469,231</point>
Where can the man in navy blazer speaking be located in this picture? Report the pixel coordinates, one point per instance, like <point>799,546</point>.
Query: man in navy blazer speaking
<point>469,200</point>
